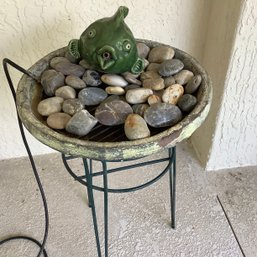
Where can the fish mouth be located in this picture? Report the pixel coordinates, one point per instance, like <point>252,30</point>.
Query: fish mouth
<point>106,57</point>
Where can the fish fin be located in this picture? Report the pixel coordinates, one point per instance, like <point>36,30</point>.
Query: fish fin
<point>138,66</point>
<point>73,48</point>
<point>121,13</point>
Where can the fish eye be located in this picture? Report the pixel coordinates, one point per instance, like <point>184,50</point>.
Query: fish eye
<point>126,46</point>
<point>91,33</point>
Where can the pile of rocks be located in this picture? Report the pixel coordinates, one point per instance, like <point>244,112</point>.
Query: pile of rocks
<point>158,97</point>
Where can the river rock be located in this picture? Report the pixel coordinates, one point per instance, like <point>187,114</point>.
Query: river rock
<point>131,86</point>
<point>162,115</point>
<point>170,67</point>
<point>168,81</point>
<point>138,95</point>
<point>183,77</point>
<point>187,102</point>
<point>193,84</point>
<point>63,65</point>
<point>153,99</point>
<point>140,109</point>
<point>92,96</point>
<point>111,98</point>
<point>51,80</point>
<point>146,63</point>
<point>159,54</point>
<point>75,82</point>
<point>50,105</point>
<point>58,120</point>
<point>154,84</point>
<point>81,123</point>
<point>92,78</point>
<point>113,113</point>
<point>153,67</point>
<point>131,78</point>
<point>115,90</point>
<point>135,127</point>
<point>114,80</point>
<point>150,75</point>
<point>66,92</point>
<point>142,50</point>
<point>71,106</point>
<point>172,94</point>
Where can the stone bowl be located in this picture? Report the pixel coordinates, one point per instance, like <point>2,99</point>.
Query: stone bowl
<point>29,93</point>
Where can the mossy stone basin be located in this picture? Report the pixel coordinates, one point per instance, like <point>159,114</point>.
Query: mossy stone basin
<point>29,93</point>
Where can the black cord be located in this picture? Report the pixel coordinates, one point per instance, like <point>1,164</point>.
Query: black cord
<point>41,245</point>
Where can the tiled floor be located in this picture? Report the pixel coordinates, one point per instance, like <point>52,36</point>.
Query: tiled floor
<point>139,221</point>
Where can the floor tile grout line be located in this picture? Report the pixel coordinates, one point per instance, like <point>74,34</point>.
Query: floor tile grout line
<point>231,227</point>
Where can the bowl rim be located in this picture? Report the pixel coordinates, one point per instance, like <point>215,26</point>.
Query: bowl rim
<point>69,145</point>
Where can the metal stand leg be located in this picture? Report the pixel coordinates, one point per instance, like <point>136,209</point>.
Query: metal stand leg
<point>90,172</point>
<point>91,201</point>
<point>172,173</point>
<point>105,182</point>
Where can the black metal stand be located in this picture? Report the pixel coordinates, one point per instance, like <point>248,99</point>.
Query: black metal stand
<point>87,180</point>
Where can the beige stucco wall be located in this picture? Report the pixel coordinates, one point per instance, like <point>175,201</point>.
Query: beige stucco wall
<point>235,134</point>
<point>31,29</point>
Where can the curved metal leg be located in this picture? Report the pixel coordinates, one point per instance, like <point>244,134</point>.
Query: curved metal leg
<point>172,176</point>
<point>90,173</point>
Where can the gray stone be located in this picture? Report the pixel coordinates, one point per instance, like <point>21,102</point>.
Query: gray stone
<point>138,95</point>
<point>159,54</point>
<point>135,127</point>
<point>131,86</point>
<point>162,115</point>
<point>153,67</point>
<point>92,78</point>
<point>132,78</point>
<point>114,80</point>
<point>58,120</point>
<point>143,50</point>
<point>71,106</point>
<point>140,109</point>
<point>150,75</point>
<point>146,63</point>
<point>111,98</point>
<point>63,65</point>
<point>113,113</point>
<point>154,84</point>
<point>187,102</point>
<point>193,84</point>
<point>183,77</point>
<point>50,105</point>
<point>115,90</point>
<point>169,81</point>
<point>92,96</point>
<point>153,99</point>
<point>51,80</point>
<point>81,123</point>
<point>75,82</point>
<point>170,67</point>
<point>172,94</point>
<point>66,92</point>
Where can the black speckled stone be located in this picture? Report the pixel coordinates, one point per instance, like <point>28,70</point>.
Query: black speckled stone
<point>187,102</point>
<point>162,115</point>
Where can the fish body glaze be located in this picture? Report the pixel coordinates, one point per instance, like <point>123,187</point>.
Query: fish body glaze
<point>108,45</point>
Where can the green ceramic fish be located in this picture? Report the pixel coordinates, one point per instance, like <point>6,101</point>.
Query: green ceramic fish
<point>108,45</point>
